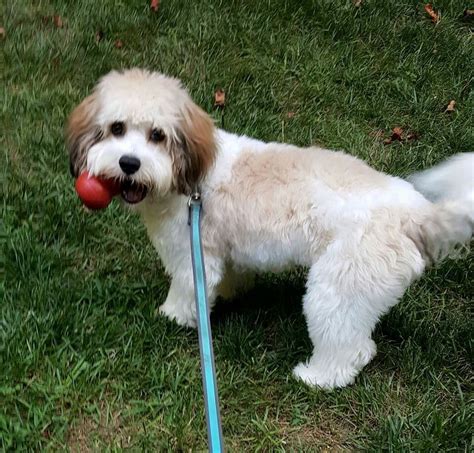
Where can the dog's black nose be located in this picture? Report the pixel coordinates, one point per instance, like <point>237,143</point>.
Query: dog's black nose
<point>129,164</point>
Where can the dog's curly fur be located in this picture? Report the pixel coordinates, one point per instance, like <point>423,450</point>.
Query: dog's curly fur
<point>364,235</point>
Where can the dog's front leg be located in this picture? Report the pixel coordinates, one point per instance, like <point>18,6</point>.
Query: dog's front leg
<point>180,304</point>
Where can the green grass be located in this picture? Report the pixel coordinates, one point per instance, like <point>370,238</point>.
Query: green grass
<point>84,361</point>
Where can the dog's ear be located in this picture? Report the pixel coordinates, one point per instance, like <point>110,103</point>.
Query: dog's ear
<point>194,149</point>
<point>82,133</point>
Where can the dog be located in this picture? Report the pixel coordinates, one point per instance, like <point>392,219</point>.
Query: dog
<point>363,235</point>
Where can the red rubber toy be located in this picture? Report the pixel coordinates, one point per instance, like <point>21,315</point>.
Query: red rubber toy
<point>96,193</point>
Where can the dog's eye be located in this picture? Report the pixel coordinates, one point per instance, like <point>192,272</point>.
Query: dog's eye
<point>157,135</point>
<point>117,128</point>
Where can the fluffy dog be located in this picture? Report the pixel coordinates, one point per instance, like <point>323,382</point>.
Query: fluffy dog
<point>364,235</point>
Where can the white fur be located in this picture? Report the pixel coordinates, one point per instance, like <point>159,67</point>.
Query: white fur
<point>271,206</point>
<point>450,180</point>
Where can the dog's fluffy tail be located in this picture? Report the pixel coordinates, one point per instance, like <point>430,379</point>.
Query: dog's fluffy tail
<point>449,223</point>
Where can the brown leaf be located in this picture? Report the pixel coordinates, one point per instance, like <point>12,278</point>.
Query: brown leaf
<point>2,32</point>
<point>154,5</point>
<point>469,14</point>
<point>118,44</point>
<point>432,13</point>
<point>99,35</point>
<point>357,3</point>
<point>219,98</point>
<point>57,21</point>
<point>290,114</point>
<point>397,133</point>
<point>451,107</point>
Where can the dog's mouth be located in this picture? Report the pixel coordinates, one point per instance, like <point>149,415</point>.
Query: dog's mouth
<point>133,192</point>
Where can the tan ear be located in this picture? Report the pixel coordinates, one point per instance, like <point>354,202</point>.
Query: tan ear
<point>82,133</point>
<point>195,150</point>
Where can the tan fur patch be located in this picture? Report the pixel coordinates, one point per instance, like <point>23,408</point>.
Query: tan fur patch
<point>82,133</point>
<point>195,150</point>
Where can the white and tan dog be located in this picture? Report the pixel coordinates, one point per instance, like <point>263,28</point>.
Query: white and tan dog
<point>364,235</point>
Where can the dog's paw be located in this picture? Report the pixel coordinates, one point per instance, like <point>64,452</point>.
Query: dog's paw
<point>183,315</point>
<point>328,378</point>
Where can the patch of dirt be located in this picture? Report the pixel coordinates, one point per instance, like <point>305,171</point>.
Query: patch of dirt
<point>92,431</point>
<point>327,436</point>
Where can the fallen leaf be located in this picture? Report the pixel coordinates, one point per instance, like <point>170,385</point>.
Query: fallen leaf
<point>99,35</point>
<point>397,133</point>
<point>450,107</point>
<point>219,98</point>
<point>154,5</point>
<point>290,114</point>
<point>469,14</point>
<point>58,21</point>
<point>432,13</point>
<point>118,44</point>
<point>2,32</point>
<point>357,3</point>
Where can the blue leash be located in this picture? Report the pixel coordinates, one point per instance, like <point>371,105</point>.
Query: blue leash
<point>213,419</point>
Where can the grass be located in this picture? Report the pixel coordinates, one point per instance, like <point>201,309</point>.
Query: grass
<point>85,363</point>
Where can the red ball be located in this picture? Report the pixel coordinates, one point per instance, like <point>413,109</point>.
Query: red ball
<point>96,193</point>
<point>113,185</point>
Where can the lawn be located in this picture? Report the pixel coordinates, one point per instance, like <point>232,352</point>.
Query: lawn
<point>85,363</point>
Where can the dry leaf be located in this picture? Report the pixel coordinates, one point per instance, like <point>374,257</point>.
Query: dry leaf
<point>118,44</point>
<point>397,133</point>
<point>469,14</point>
<point>357,2</point>
<point>219,98</point>
<point>2,32</point>
<point>397,136</point>
<point>99,35</point>
<point>290,114</point>
<point>432,13</point>
<point>451,106</point>
<point>58,21</point>
<point>154,5</point>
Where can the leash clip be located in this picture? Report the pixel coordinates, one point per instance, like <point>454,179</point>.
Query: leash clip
<point>193,200</point>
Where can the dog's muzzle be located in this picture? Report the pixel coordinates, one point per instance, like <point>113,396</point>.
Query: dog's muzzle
<point>133,192</point>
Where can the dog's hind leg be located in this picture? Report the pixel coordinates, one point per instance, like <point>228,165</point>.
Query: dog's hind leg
<point>348,289</point>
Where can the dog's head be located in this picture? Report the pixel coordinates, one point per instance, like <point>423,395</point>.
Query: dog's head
<point>143,129</point>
